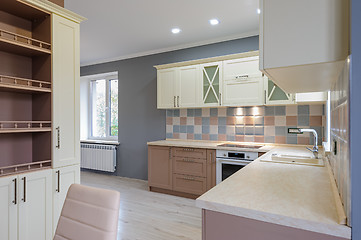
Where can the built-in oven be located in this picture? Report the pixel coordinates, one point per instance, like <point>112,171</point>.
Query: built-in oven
<point>229,162</point>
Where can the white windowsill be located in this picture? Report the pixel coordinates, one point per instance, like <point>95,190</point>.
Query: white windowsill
<point>110,142</point>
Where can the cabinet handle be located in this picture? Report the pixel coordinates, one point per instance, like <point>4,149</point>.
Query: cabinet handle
<point>58,137</point>
<point>220,99</point>
<point>188,149</point>
<point>189,178</point>
<point>58,189</point>
<point>242,76</point>
<point>188,160</point>
<point>24,198</point>
<point>15,201</point>
<point>174,101</point>
<point>178,101</point>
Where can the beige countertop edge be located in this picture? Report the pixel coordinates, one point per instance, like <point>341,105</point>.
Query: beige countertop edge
<point>334,230</point>
<point>213,144</point>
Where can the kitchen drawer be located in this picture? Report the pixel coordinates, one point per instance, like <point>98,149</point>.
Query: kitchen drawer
<point>189,152</point>
<point>190,166</point>
<point>189,184</point>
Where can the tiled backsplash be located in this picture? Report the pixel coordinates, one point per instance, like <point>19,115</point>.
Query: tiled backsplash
<point>340,162</point>
<point>267,124</point>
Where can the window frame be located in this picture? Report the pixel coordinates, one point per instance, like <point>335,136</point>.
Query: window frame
<point>108,77</point>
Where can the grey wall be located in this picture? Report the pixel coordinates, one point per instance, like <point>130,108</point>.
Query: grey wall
<point>139,119</point>
<point>355,118</point>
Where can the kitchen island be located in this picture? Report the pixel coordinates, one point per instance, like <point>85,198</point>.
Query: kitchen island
<point>267,200</point>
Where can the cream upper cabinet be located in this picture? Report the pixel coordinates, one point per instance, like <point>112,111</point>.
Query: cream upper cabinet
<point>62,179</point>
<point>166,88</point>
<point>303,43</point>
<point>242,82</point>
<point>211,84</point>
<point>188,91</point>
<point>275,95</point>
<point>312,97</point>
<point>66,74</point>
<point>9,208</point>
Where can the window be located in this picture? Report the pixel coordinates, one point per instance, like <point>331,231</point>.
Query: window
<point>104,107</point>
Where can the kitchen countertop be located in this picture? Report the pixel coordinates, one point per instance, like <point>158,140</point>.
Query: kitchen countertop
<point>210,145</point>
<point>297,196</point>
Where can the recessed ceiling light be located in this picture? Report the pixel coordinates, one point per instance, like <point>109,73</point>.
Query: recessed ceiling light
<point>258,11</point>
<point>214,21</point>
<point>176,30</point>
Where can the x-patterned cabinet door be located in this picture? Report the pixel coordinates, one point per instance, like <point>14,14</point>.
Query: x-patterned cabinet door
<point>211,84</point>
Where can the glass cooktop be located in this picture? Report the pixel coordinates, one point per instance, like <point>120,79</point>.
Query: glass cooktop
<point>239,146</point>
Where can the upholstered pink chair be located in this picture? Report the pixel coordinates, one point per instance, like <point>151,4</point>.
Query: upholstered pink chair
<point>89,214</point>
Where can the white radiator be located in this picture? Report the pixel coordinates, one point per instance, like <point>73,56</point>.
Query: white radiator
<point>98,157</point>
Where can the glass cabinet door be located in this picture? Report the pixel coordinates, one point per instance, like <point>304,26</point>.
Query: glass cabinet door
<point>211,82</point>
<point>275,95</point>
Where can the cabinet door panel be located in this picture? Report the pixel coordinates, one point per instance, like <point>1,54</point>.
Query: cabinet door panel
<point>159,167</point>
<point>35,205</point>
<point>275,95</point>
<point>66,73</point>
<point>62,179</point>
<point>166,80</point>
<point>188,92</point>
<point>242,82</point>
<point>190,166</point>
<point>189,184</point>
<point>8,208</point>
<point>211,84</point>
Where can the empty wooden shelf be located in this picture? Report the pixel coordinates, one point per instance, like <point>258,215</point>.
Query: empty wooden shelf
<point>9,83</point>
<point>18,44</point>
<point>24,126</point>
<point>20,168</point>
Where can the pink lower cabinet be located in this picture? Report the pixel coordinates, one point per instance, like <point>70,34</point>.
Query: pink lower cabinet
<point>189,184</point>
<point>216,226</point>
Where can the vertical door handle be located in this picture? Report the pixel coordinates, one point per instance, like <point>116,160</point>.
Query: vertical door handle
<point>24,197</point>
<point>15,201</point>
<point>58,189</point>
<point>178,101</point>
<point>58,137</point>
<point>220,99</point>
<point>174,104</point>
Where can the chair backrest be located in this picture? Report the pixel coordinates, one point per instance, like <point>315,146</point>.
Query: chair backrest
<point>89,213</point>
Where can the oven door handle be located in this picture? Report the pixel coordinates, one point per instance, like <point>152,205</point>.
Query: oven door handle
<point>234,162</point>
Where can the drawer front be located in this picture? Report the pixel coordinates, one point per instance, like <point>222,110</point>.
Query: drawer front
<point>189,184</point>
<point>190,166</point>
<point>189,152</point>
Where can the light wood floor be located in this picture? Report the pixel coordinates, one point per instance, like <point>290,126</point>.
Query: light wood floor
<point>146,215</point>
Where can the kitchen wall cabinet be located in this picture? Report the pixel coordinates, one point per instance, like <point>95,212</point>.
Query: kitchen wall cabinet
<point>66,80</point>
<point>275,95</point>
<point>212,80</point>
<point>178,87</point>
<point>166,88</point>
<point>159,167</point>
<point>242,82</point>
<point>312,97</point>
<point>303,43</point>
<point>187,172</point>
<point>62,179</point>
<point>188,92</point>
<point>26,204</point>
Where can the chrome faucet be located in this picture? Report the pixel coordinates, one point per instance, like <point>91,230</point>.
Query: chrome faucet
<point>314,150</point>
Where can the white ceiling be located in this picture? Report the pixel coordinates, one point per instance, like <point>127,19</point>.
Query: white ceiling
<point>119,29</point>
